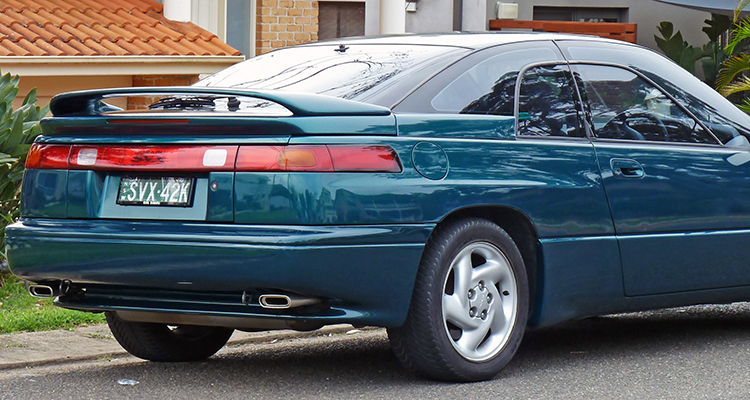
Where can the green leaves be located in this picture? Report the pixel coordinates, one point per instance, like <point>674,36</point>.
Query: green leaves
<point>18,129</point>
<point>676,48</point>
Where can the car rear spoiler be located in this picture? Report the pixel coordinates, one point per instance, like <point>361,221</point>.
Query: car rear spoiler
<point>91,102</point>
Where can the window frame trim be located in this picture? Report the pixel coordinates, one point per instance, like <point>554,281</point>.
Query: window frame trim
<point>517,104</point>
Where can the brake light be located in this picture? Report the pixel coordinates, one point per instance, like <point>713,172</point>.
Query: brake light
<point>48,156</point>
<point>364,158</point>
<point>318,158</point>
<point>154,158</point>
<point>291,158</point>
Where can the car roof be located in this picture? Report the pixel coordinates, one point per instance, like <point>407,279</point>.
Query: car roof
<point>469,40</point>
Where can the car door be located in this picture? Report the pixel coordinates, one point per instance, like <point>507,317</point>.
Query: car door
<point>679,198</point>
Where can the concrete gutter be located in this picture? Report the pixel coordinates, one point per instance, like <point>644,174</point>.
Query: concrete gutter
<point>32,349</point>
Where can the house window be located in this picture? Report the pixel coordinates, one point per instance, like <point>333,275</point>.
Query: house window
<point>241,26</point>
<point>340,19</point>
<point>581,14</point>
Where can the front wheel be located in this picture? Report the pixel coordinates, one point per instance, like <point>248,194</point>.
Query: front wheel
<point>161,342</point>
<point>470,304</point>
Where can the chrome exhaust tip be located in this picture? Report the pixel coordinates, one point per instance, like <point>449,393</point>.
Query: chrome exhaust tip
<point>41,291</point>
<point>285,301</point>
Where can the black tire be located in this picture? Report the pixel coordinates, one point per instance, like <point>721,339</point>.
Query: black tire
<point>430,342</point>
<point>160,342</point>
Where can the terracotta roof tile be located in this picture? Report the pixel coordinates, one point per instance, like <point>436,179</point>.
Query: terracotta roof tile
<point>170,33</point>
<point>138,32</point>
<point>129,17</point>
<point>17,5</point>
<point>155,33</point>
<point>6,20</point>
<point>143,17</point>
<point>16,49</point>
<point>182,49</point>
<point>147,5</point>
<point>87,4</point>
<point>115,48</point>
<point>194,47</point>
<point>83,32</point>
<point>115,18</point>
<point>35,50</point>
<point>49,6</point>
<point>133,49</point>
<point>66,36</point>
<point>67,49</point>
<point>107,33</point>
<point>89,42</point>
<point>81,47</point>
<point>32,17</point>
<point>9,33</point>
<point>147,47</point>
<point>4,51</point>
<point>163,47</point>
<point>82,18</point>
<point>49,36</point>
<point>127,35</point>
<point>100,27</point>
<point>32,36</point>
<point>57,21</point>
<point>49,48</point>
<point>17,17</point>
<point>65,5</point>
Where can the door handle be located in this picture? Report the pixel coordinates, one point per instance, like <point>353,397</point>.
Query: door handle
<point>626,168</point>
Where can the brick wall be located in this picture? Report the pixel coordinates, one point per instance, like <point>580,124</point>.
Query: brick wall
<point>284,23</point>
<point>142,103</point>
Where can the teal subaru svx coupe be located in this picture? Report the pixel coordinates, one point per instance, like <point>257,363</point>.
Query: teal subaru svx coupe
<point>455,189</point>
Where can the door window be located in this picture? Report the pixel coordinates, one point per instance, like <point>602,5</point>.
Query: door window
<point>621,105</point>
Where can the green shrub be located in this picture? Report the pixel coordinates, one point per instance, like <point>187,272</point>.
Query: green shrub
<point>18,129</point>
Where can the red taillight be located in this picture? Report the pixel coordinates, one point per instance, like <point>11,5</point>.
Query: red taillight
<point>318,158</point>
<point>292,158</point>
<point>154,158</point>
<point>348,158</point>
<point>48,156</point>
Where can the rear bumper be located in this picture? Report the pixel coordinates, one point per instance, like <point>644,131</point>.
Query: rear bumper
<point>365,274</point>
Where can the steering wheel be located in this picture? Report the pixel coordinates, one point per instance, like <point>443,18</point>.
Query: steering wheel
<point>620,127</point>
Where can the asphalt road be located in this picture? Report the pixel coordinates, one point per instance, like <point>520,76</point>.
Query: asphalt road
<point>690,353</point>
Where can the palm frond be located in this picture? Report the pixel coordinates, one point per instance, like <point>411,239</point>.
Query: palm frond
<point>740,7</point>
<point>742,84</point>
<point>739,34</point>
<point>732,67</point>
<point>744,106</point>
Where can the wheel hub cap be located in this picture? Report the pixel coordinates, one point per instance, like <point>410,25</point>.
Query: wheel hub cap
<point>479,301</point>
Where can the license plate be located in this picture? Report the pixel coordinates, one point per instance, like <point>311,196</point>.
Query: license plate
<point>156,191</point>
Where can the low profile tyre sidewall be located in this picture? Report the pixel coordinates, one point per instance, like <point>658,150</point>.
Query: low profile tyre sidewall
<point>445,363</point>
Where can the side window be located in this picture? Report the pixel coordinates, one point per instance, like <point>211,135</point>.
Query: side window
<point>621,105</point>
<point>488,87</point>
<point>548,103</point>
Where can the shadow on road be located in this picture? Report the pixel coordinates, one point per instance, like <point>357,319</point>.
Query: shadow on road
<point>347,366</point>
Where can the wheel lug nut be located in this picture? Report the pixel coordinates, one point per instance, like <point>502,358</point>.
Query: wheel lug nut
<point>481,285</point>
<point>489,297</point>
<point>472,312</point>
<point>483,315</point>
<point>471,293</point>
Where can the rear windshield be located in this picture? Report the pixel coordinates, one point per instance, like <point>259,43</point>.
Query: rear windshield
<point>356,71</point>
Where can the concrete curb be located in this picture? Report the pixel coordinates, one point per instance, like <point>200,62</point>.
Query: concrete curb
<point>33,349</point>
